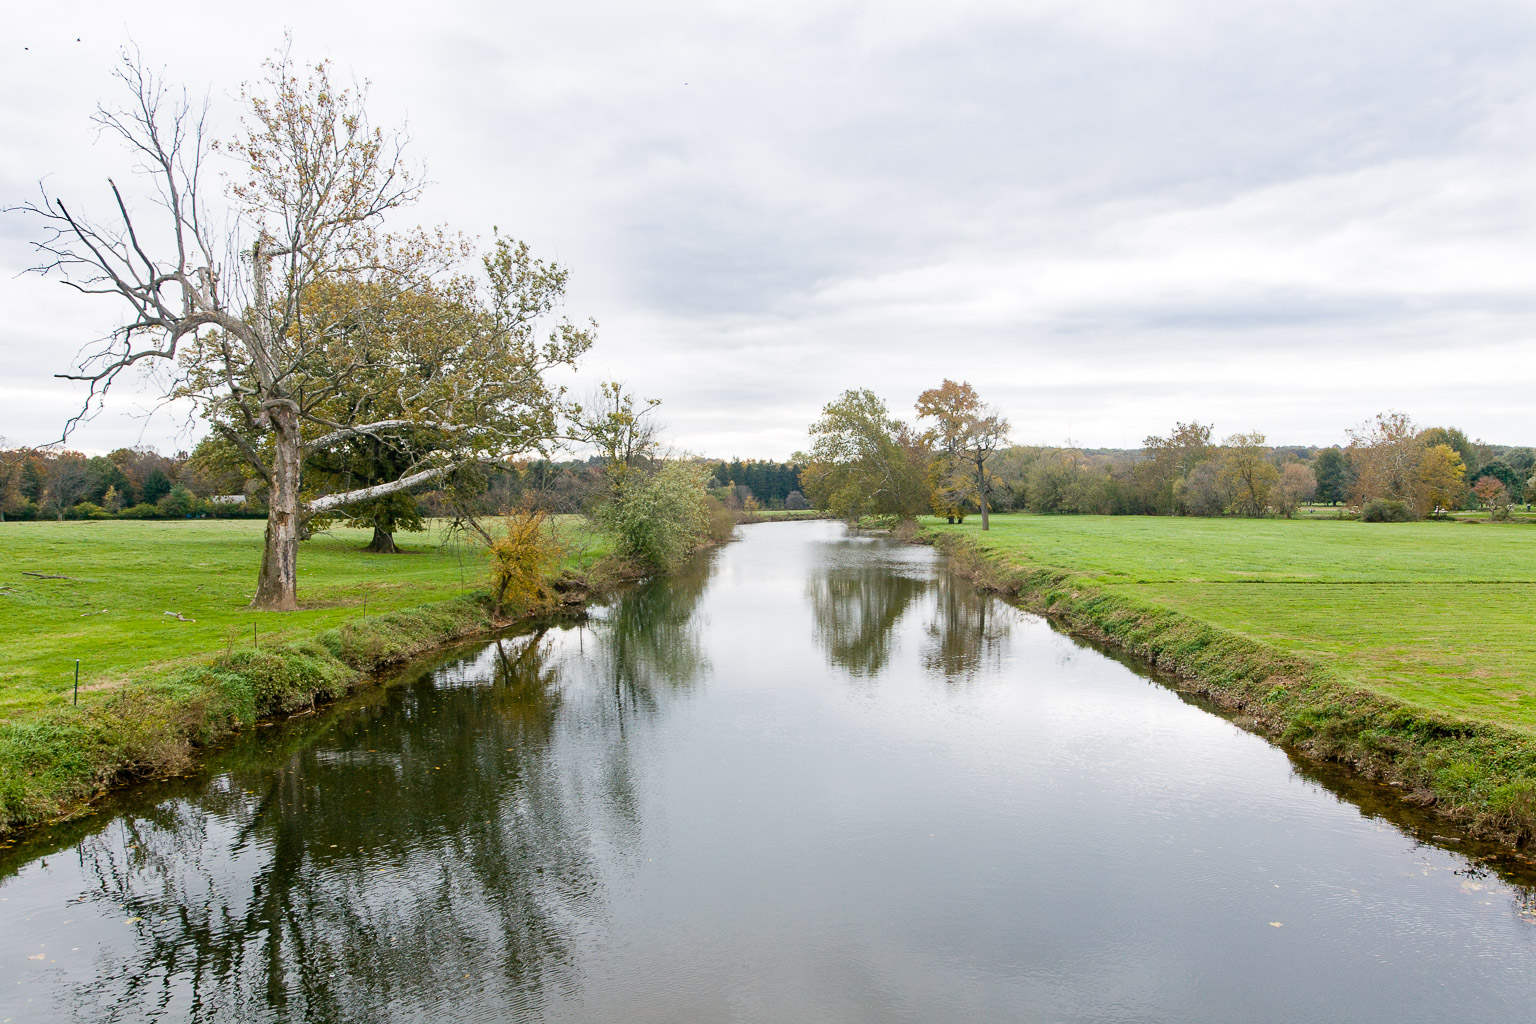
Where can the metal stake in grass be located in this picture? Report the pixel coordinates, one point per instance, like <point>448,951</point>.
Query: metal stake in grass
<point>77,682</point>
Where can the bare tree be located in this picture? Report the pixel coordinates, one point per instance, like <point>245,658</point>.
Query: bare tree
<point>67,481</point>
<point>271,324</point>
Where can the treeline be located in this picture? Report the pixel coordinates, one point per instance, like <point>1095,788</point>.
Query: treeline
<point>129,483</point>
<point>755,484</point>
<point>954,461</point>
<point>1390,468</point>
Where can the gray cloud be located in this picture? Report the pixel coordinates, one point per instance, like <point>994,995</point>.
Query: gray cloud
<point>1109,214</point>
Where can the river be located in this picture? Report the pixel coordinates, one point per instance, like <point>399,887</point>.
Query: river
<point>813,777</point>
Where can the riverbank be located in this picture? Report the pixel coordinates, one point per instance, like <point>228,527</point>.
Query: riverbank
<point>158,686</point>
<point>1356,693</point>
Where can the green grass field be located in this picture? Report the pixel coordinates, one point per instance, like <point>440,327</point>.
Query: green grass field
<point>1437,615</point>
<point>124,576</point>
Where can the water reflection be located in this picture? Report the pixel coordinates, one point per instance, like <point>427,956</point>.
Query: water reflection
<point>411,844</point>
<point>666,813</point>
<point>859,603</point>
<point>856,606</point>
<point>968,631</point>
<point>650,640</point>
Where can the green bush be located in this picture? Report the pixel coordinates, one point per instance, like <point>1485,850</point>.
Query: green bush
<point>1386,510</point>
<point>181,503</point>
<point>143,510</point>
<point>661,519</point>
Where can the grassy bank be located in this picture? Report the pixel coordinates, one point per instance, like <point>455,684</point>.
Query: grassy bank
<point>1402,649</point>
<point>155,686</point>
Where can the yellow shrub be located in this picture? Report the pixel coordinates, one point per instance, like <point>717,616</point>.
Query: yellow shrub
<point>523,559</point>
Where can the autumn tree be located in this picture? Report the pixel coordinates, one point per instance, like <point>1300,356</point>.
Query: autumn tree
<point>626,434</point>
<point>1169,460</point>
<point>12,464</point>
<point>1297,484</point>
<point>863,462</point>
<point>1442,482</point>
<point>1493,496</point>
<point>233,309</point>
<point>964,431</point>
<point>1247,469</point>
<point>952,489</point>
<point>1455,439</point>
<point>1385,454</point>
<point>1513,481</point>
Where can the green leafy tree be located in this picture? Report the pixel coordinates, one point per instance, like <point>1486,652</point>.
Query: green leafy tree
<point>863,462</point>
<point>1249,472</point>
<point>1334,476</point>
<point>659,519</point>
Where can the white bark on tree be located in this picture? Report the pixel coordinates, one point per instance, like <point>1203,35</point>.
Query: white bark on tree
<point>235,313</point>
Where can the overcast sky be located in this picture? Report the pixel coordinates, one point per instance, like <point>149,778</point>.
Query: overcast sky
<point>1105,216</point>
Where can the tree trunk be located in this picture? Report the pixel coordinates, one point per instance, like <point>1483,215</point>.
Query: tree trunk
<point>383,543</point>
<point>981,488</point>
<point>277,589</point>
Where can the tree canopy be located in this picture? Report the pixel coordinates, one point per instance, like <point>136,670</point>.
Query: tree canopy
<point>305,324</point>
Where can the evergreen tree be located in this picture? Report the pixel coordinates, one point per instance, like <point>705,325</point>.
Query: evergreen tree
<point>1333,475</point>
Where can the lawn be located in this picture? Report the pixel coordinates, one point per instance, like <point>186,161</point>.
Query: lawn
<point>124,576</point>
<point>1437,615</point>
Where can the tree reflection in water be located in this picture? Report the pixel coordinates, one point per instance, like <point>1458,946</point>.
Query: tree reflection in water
<point>650,641</point>
<point>968,631</point>
<point>367,872</point>
<point>856,605</point>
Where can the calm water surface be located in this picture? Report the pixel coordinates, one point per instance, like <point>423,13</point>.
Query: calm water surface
<point>815,778</point>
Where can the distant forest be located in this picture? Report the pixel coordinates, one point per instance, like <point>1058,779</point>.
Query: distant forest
<point>1186,473</point>
<point>140,483</point>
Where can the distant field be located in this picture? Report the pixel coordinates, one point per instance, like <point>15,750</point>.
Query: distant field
<point>204,570</point>
<point>789,513</point>
<point>1439,615</point>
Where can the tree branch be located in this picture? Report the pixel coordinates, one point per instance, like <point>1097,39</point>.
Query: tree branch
<point>405,483</point>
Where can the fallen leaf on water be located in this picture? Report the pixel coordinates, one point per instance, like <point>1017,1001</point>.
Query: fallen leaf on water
<point>38,957</point>
<point>1276,924</point>
<point>133,920</point>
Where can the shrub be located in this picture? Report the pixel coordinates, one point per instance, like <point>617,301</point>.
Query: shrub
<point>1386,510</point>
<point>522,560</point>
<point>795,501</point>
<point>721,522</point>
<point>180,503</point>
<point>143,510</point>
<point>659,520</point>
